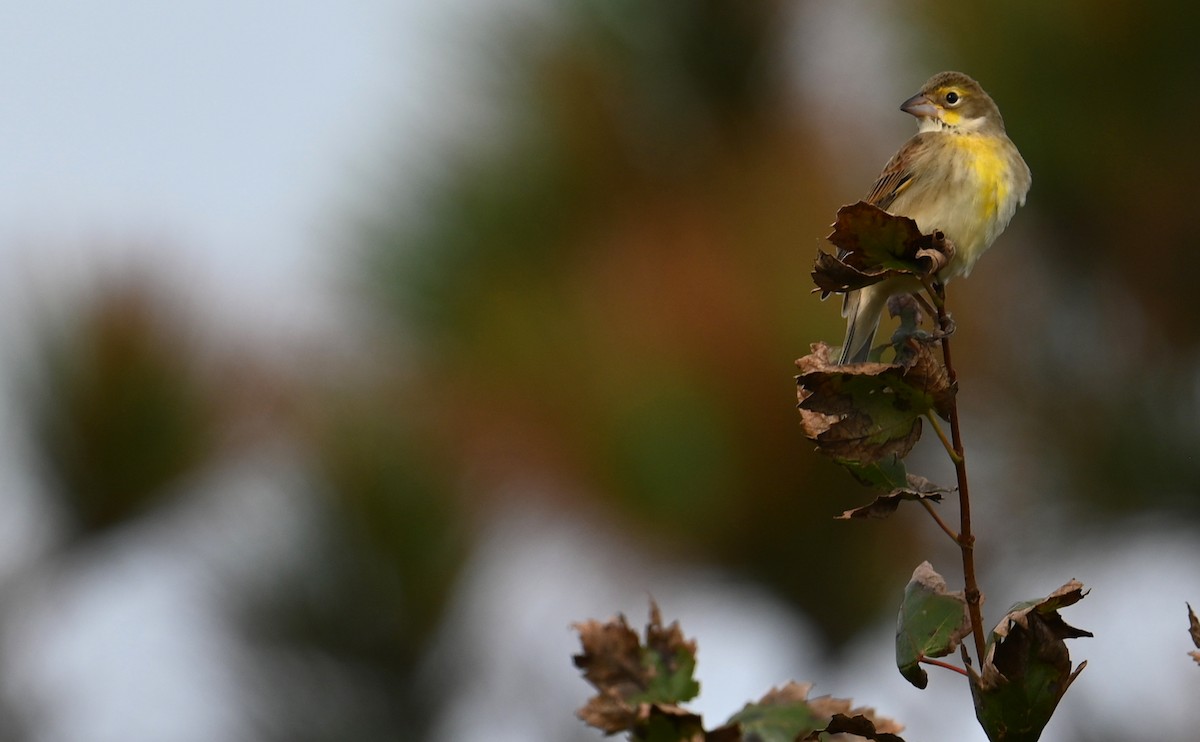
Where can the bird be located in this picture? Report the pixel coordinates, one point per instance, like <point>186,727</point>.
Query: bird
<point>959,174</point>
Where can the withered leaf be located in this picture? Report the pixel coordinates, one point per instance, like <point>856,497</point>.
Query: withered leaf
<point>874,245</point>
<point>632,679</point>
<point>850,411</point>
<point>725,734</point>
<point>828,707</point>
<point>868,412</point>
<point>831,275</point>
<point>925,373</point>
<point>612,655</point>
<point>932,622</point>
<point>787,714</point>
<point>608,711</point>
<point>1194,630</point>
<point>883,506</point>
<point>1027,668</point>
<point>612,662</point>
<point>859,725</point>
<point>665,723</point>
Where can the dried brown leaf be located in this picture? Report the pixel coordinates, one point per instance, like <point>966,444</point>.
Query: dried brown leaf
<point>791,692</point>
<point>866,412</point>
<point>788,712</point>
<point>861,725</point>
<point>669,722</point>
<point>839,709</point>
<point>1194,631</point>
<point>831,275</point>
<point>1046,608</point>
<point>668,642</point>
<point>925,372</point>
<point>874,245</point>
<point>730,732</point>
<point>636,681</point>
<point>612,655</point>
<point>838,414</point>
<point>919,488</point>
<point>608,712</point>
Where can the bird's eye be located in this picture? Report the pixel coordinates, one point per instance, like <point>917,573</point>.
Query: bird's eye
<point>952,98</point>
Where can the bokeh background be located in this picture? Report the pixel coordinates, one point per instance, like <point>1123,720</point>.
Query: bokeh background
<point>352,352</point>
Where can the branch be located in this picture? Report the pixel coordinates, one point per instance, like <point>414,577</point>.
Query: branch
<point>966,539</point>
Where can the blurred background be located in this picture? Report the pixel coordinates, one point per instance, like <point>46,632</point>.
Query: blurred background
<point>352,352</point>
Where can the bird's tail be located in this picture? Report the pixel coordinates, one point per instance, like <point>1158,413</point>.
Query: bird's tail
<point>862,310</point>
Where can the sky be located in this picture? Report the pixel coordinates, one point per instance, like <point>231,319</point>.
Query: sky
<point>215,140</point>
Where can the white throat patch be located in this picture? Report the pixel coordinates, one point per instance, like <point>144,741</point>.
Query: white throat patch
<point>966,126</point>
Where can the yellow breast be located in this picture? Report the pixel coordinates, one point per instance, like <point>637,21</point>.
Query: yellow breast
<point>989,170</point>
<point>965,185</point>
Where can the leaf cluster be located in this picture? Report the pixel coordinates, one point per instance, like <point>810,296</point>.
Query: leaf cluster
<point>641,684</point>
<point>1026,669</point>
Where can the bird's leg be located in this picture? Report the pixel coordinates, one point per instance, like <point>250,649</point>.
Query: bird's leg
<point>925,305</point>
<point>937,294</point>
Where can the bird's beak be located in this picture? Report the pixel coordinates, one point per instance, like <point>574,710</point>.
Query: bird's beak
<point>920,106</point>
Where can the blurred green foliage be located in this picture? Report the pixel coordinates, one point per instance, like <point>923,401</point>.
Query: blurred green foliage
<point>384,543</point>
<point>618,280</point>
<point>121,409</point>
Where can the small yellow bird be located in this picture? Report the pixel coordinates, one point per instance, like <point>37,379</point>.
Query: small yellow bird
<point>960,174</point>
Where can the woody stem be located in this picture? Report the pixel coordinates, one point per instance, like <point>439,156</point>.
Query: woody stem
<point>966,539</point>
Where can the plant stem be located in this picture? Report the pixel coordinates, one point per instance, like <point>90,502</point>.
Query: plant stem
<point>966,539</point>
<point>941,523</point>
<point>941,434</point>
<point>943,665</point>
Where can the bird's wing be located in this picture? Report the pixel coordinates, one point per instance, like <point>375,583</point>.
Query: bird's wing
<point>897,174</point>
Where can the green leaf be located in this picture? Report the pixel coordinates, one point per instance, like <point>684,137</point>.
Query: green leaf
<point>668,724</point>
<point>780,716</point>
<point>775,723</point>
<point>670,660</point>
<point>671,678</point>
<point>932,622</point>
<point>1027,668</point>
<point>888,473</point>
<point>787,714</point>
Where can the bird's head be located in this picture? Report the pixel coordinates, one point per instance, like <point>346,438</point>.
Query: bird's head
<point>953,101</point>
